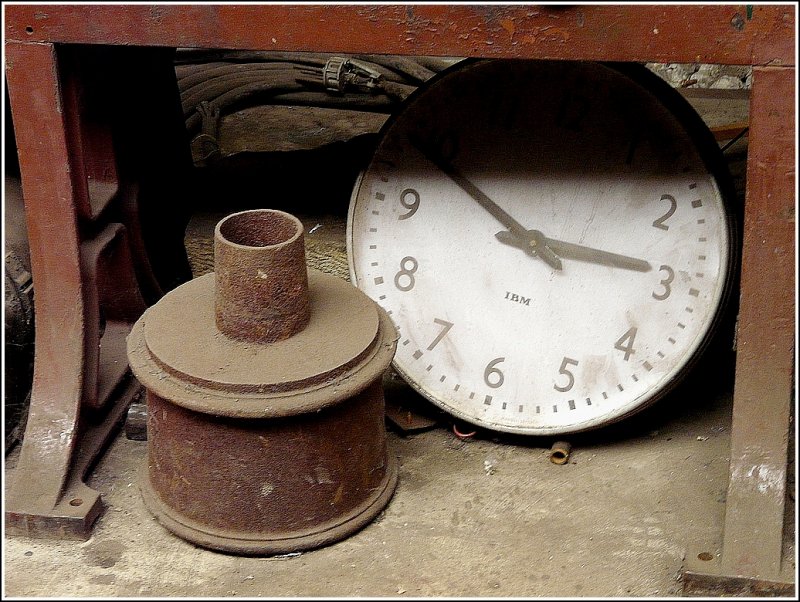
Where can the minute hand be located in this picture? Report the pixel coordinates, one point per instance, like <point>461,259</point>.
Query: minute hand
<point>476,193</point>
<point>534,244</point>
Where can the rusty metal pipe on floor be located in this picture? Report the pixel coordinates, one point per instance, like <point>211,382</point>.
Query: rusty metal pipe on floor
<point>265,425</point>
<point>560,451</point>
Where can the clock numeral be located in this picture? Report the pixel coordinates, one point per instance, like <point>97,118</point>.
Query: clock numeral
<point>446,328</point>
<point>665,282</point>
<point>497,376</point>
<point>446,145</point>
<point>408,272</point>
<point>570,376</point>
<point>412,206</point>
<point>673,205</point>
<point>627,349</point>
<point>572,111</point>
<point>632,147</point>
<point>502,106</point>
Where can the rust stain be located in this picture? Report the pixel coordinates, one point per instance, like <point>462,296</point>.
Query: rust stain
<point>548,33</point>
<point>562,33</point>
<point>508,25</point>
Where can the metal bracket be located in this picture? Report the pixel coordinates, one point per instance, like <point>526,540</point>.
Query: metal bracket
<point>48,496</point>
<point>341,73</point>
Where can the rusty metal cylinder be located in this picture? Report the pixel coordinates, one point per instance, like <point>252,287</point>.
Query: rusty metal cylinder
<point>265,405</point>
<point>261,286</point>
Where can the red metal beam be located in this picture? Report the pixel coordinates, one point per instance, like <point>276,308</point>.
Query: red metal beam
<point>730,34</point>
<point>764,359</point>
<point>52,200</point>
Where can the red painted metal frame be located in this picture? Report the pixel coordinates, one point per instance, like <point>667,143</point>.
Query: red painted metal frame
<point>758,35</point>
<point>758,476</point>
<point>81,183</point>
<point>754,514</point>
<point>716,34</point>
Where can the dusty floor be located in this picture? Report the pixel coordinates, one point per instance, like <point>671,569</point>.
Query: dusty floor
<point>490,516</point>
<point>469,518</point>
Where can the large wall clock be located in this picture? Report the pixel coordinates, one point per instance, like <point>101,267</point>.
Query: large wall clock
<point>553,241</point>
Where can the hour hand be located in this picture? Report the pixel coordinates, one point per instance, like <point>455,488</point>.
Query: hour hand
<point>577,252</point>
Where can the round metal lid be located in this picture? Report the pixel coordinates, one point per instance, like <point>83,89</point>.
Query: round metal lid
<point>176,350</point>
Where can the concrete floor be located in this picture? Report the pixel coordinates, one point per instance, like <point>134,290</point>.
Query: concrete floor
<point>491,516</point>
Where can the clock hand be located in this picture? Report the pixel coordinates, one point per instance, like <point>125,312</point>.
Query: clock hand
<point>533,242</point>
<point>570,250</point>
<point>535,245</point>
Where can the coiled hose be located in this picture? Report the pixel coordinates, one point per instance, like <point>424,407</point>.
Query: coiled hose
<point>214,83</point>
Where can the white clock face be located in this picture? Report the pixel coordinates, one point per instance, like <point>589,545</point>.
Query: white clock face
<point>547,240</point>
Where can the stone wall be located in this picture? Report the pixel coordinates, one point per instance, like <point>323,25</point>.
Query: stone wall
<point>697,75</point>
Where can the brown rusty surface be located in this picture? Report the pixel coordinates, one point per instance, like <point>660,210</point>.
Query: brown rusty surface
<point>264,544</point>
<point>407,419</point>
<point>111,294</point>
<point>764,363</point>
<point>268,479</point>
<point>560,451</point>
<point>88,125</point>
<point>261,447</point>
<point>261,288</point>
<point>176,350</point>
<point>730,34</point>
<point>275,484</point>
<point>701,584</point>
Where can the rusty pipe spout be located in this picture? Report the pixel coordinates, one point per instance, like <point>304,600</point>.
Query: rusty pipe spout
<point>261,284</point>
